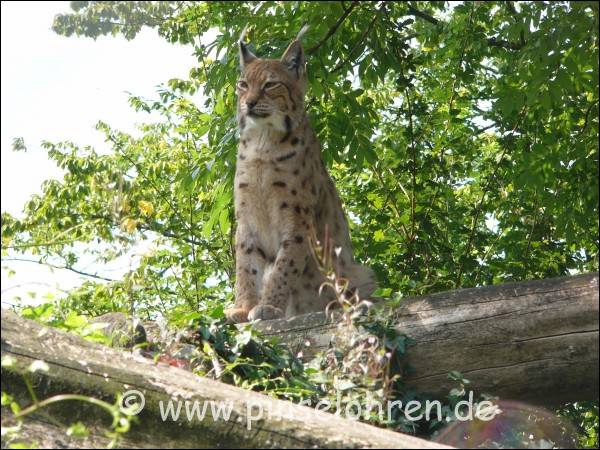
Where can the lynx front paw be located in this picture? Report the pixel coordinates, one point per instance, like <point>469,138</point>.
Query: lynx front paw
<point>236,315</point>
<point>265,312</point>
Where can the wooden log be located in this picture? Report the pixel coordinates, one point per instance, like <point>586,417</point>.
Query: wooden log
<point>78,366</point>
<point>46,434</point>
<point>534,341</point>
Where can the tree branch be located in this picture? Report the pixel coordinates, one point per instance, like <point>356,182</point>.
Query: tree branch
<point>495,42</point>
<point>475,221</point>
<point>587,117</point>
<point>492,41</point>
<point>54,266</point>
<point>412,11</point>
<point>390,199</point>
<point>360,41</point>
<point>413,170</point>
<point>29,283</point>
<point>334,28</point>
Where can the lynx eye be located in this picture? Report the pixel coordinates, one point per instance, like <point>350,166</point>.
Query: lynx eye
<point>242,85</point>
<point>271,85</point>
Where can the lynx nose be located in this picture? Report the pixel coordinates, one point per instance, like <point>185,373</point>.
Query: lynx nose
<point>251,104</point>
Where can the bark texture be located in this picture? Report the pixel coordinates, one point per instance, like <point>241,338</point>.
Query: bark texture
<point>535,341</point>
<point>78,366</point>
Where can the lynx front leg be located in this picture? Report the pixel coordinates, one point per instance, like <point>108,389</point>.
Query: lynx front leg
<point>281,284</point>
<point>249,267</point>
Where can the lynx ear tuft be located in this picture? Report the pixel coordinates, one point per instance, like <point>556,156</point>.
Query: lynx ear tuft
<point>303,30</point>
<point>246,56</point>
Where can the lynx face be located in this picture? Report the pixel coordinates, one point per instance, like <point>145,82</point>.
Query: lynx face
<point>270,91</point>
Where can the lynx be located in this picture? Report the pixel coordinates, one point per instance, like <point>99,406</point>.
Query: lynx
<point>282,192</point>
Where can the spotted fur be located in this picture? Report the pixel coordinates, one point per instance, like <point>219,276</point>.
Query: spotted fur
<point>282,190</point>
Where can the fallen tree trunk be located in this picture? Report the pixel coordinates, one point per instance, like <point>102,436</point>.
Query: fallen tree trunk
<point>78,366</point>
<point>533,341</point>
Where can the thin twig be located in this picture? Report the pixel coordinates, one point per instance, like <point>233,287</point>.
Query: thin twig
<point>487,254</point>
<point>334,28</point>
<point>501,43</point>
<point>360,41</point>
<point>413,202</point>
<point>480,202</point>
<point>41,244</point>
<point>118,145</point>
<point>492,41</point>
<point>412,11</point>
<point>31,283</point>
<point>191,205</point>
<point>587,117</point>
<point>530,237</point>
<point>393,205</point>
<point>54,266</point>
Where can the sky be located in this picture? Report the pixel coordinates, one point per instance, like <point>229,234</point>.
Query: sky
<point>57,88</point>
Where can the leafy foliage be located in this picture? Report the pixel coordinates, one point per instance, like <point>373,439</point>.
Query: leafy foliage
<point>248,360</point>
<point>361,375</point>
<point>12,422</point>
<point>585,416</point>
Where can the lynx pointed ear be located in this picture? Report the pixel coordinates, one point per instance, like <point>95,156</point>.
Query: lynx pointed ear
<point>246,56</point>
<point>293,58</point>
